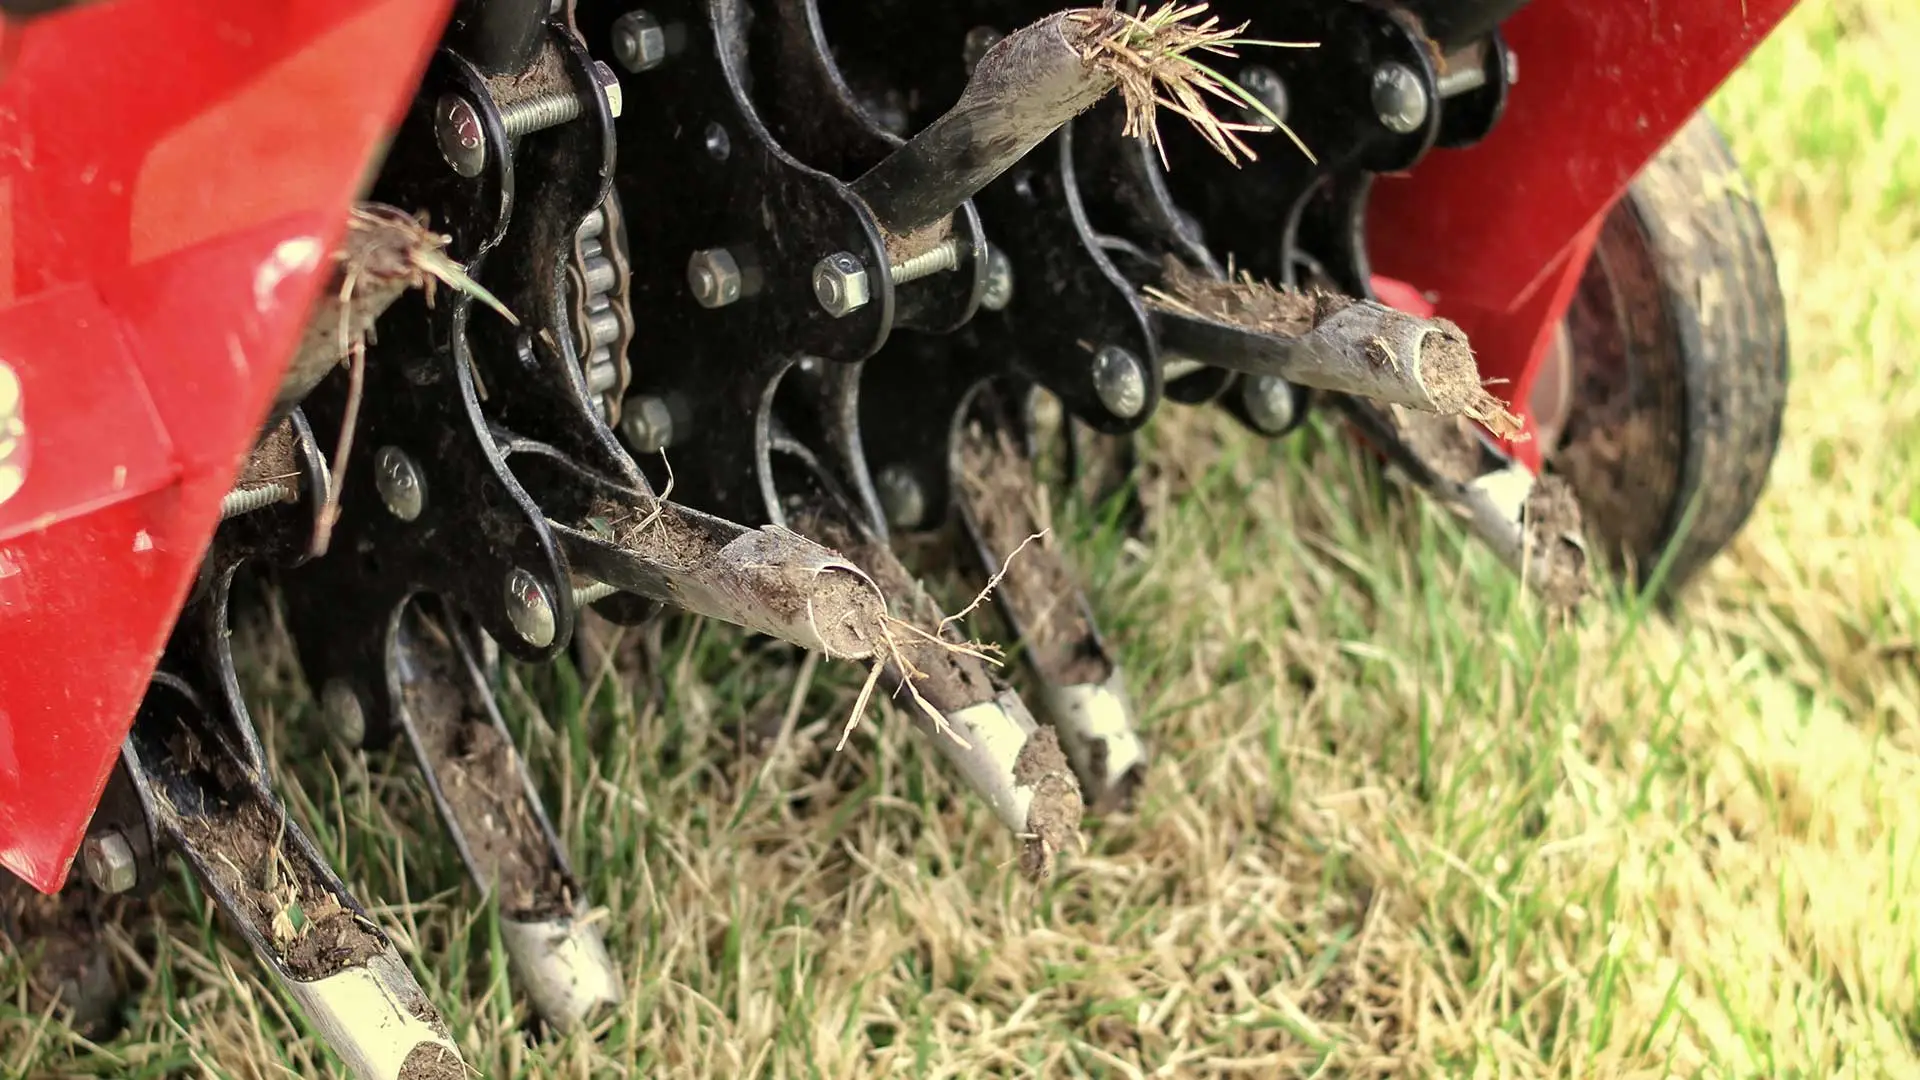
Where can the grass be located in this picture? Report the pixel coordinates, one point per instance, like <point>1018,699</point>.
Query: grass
<point>1397,825</point>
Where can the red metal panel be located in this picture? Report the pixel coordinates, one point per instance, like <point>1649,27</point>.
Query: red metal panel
<point>171,175</point>
<point>1499,233</point>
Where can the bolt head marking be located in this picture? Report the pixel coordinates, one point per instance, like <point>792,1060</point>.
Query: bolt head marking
<point>463,141</point>
<point>529,609</point>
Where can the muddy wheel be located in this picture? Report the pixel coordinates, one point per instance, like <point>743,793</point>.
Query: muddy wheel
<point>1664,399</point>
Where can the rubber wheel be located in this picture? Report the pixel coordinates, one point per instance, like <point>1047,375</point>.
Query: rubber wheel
<point>1673,372</point>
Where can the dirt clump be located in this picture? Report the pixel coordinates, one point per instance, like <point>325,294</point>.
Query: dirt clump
<point>272,460</point>
<point>947,679</point>
<point>245,850</point>
<point>430,1061</point>
<point>1452,380</point>
<point>1557,558</point>
<point>1038,590</point>
<point>1053,821</point>
<point>479,778</point>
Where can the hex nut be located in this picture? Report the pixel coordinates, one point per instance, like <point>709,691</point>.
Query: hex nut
<point>840,284</point>
<point>639,41</point>
<point>714,277</point>
<point>902,498</point>
<point>1269,403</point>
<point>647,423</point>
<point>109,863</point>
<point>340,708</point>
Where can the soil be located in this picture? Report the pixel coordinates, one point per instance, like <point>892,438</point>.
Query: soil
<point>1447,370</point>
<point>431,1062</point>
<point>1452,380</point>
<point>1039,591</point>
<point>1246,303</point>
<point>479,776</point>
<point>948,680</point>
<point>1053,820</point>
<point>272,460</point>
<point>1559,569</point>
<point>243,848</point>
<point>57,939</point>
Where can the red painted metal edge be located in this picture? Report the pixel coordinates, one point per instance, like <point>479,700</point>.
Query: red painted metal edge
<point>172,175</point>
<point>1499,233</point>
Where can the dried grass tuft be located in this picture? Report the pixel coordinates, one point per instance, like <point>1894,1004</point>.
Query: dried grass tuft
<point>1157,62</point>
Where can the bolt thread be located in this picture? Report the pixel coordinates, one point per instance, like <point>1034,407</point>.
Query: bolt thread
<point>247,500</point>
<point>937,260</point>
<point>539,112</point>
<point>592,594</point>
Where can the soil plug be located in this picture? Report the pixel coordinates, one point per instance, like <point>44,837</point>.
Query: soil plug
<point>985,733</point>
<point>1327,342</point>
<point>769,580</point>
<point>1532,523</point>
<point>1081,688</point>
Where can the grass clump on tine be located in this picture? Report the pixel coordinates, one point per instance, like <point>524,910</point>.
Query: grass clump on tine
<point>1156,61</point>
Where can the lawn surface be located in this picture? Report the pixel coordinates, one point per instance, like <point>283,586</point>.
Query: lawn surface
<point>1396,824</point>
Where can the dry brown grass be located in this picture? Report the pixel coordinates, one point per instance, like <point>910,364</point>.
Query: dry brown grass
<point>1395,826</point>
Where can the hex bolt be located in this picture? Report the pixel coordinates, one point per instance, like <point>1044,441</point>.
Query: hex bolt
<point>647,423</point>
<point>463,142</point>
<point>639,41</point>
<point>902,498</point>
<point>402,488</point>
<point>714,277</point>
<point>1269,403</point>
<point>242,501</point>
<point>1399,98</point>
<point>1265,86</point>
<point>999,291</point>
<point>109,863</point>
<point>1120,382</point>
<point>840,284</point>
<point>938,259</point>
<point>529,609</point>
<point>340,709</point>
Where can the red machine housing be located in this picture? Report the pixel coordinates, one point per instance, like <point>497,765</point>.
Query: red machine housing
<point>173,173</point>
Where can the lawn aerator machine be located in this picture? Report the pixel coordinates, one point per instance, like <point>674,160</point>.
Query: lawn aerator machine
<point>462,325</point>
